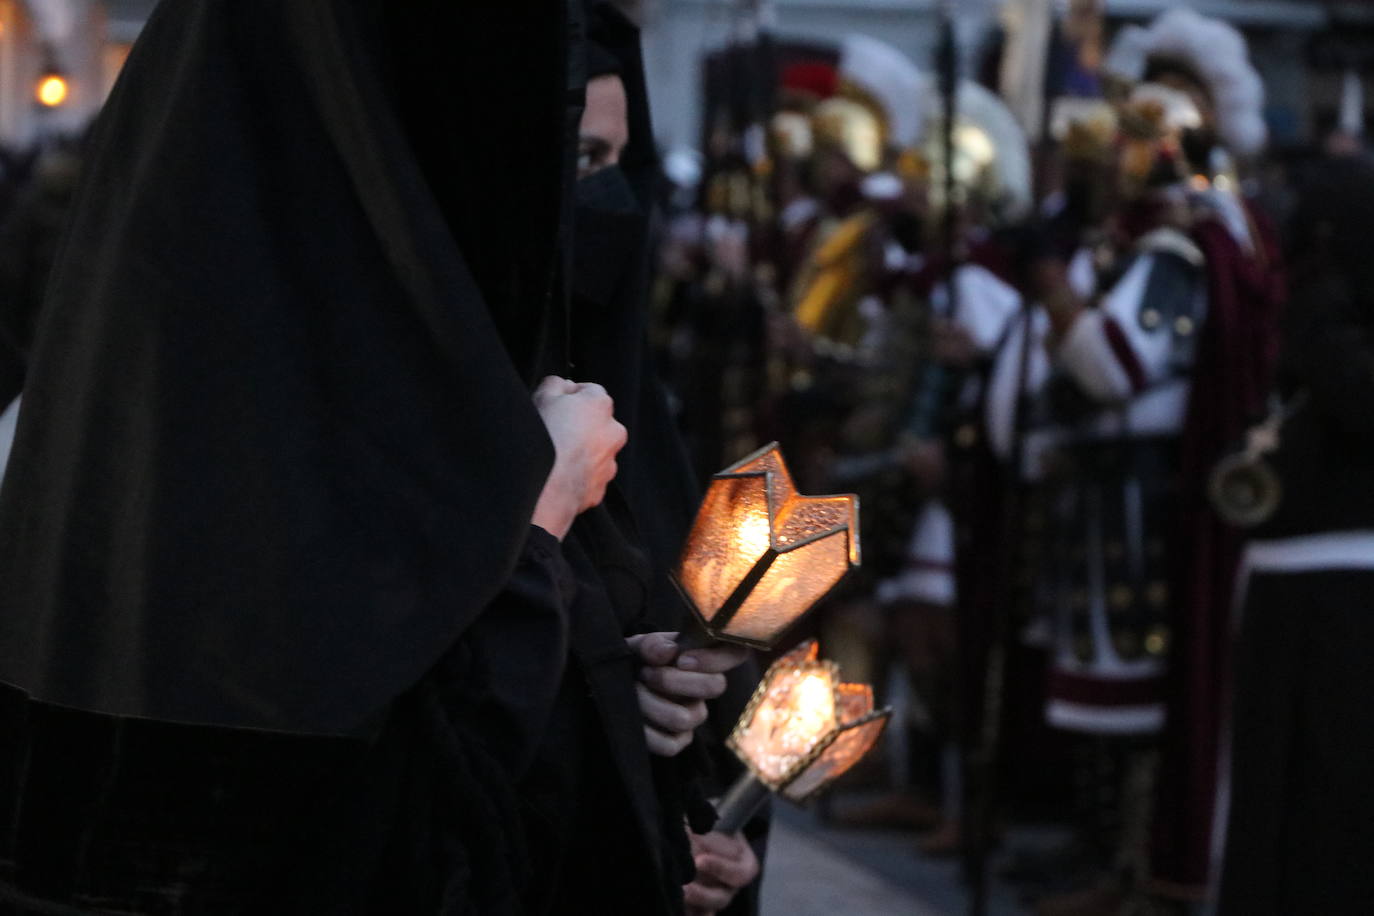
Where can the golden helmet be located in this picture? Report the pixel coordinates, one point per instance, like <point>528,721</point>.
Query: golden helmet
<point>877,107</point>
<point>1153,120</point>
<point>791,135</point>
<point>1086,129</point>
<point>991,164</point>
<point>852,128</point>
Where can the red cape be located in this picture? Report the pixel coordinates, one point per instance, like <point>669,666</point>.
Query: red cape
<point>1232,379</point>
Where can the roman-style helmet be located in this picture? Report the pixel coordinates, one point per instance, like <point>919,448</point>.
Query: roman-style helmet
<point>801,88</point>
<point>991,163</point>
<point>877,106</point>
<point>1209,53</point>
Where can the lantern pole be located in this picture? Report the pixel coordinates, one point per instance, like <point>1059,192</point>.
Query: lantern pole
<point>741,803</point>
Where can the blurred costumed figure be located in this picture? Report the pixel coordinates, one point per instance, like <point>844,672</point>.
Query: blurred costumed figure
<point>1236,353</point>
<point>1302,749</point>
<point>853,350</point>
<point>723,261</point>
<point>897,347</point>
<point>1150,353</point>
<point>938,598</point>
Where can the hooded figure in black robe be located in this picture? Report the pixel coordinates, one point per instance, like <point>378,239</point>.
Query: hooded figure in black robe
<point>1298,835</point>
<point>278,429</point>
<point>277,634</point>
<point>636,537</point>
<point>275,631</point>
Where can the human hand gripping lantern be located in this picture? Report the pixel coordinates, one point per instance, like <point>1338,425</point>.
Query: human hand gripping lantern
<point>760,555</point>
<point>801,731</point>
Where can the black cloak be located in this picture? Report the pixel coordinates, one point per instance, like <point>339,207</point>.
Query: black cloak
<point>635,539</point>
<point>604,819</point>
<point>277,449</point>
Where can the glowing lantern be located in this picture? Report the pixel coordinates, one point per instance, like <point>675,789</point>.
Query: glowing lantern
<point>760,555</point>
<point>801,731</point>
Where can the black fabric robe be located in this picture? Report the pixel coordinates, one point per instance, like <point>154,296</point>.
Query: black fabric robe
<point>1300,832</point>
<point>625,550</point>
<point>276,466</point>
<point>132,815</point>
<point>29,238</point>
<point>278,449</point>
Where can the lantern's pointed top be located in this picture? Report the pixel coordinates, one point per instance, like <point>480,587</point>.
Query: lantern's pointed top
<point>760,555</point>
<point>797,519</point>
<point>769,463</point>
<point>808,651</point>
<point>766,459</point>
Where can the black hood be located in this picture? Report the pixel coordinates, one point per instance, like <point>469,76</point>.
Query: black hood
<point>277,448</point>
<point>610,342</point>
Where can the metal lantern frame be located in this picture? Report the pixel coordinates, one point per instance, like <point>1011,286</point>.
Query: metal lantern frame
<point>813,756</point>
<point>753,788</point>
<point>775,491</point>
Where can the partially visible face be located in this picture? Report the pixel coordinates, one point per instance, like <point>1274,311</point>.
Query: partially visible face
<point>605,125</point>
<point>832,173</point>
<point>1182,82</point>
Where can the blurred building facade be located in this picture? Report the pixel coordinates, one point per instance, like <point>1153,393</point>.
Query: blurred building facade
<point>1303,49</point>
<point>1303,84</point>
<point>83,42</point>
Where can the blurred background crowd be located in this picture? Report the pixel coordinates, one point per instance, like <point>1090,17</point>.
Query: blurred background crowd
<point>1036,280</point>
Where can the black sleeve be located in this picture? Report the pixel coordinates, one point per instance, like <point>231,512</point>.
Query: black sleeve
<point>518,650</point>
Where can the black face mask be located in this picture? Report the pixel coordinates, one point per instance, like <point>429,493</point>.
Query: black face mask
<point>609,229</point>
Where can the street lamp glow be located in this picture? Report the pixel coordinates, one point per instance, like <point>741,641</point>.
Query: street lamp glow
<point>53,91</point>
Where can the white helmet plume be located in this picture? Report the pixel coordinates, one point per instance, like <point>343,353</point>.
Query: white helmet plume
<point>1217,53</point>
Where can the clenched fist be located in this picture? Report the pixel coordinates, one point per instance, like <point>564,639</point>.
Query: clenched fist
<point>586,438</point>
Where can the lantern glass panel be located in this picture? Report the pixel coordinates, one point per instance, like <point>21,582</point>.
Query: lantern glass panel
<point>795,715</point>
<point>731,534</point>
<point>853,702</point>
<point>797,579</point>
<point>803,517</point>
<point>846,750</point>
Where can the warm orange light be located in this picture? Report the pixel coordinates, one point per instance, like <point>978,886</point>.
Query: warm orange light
<point>53,91</point>
<point>803,729</point>
<point>760,555</point>
<point>860,730</point>
<point>795,713</point>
